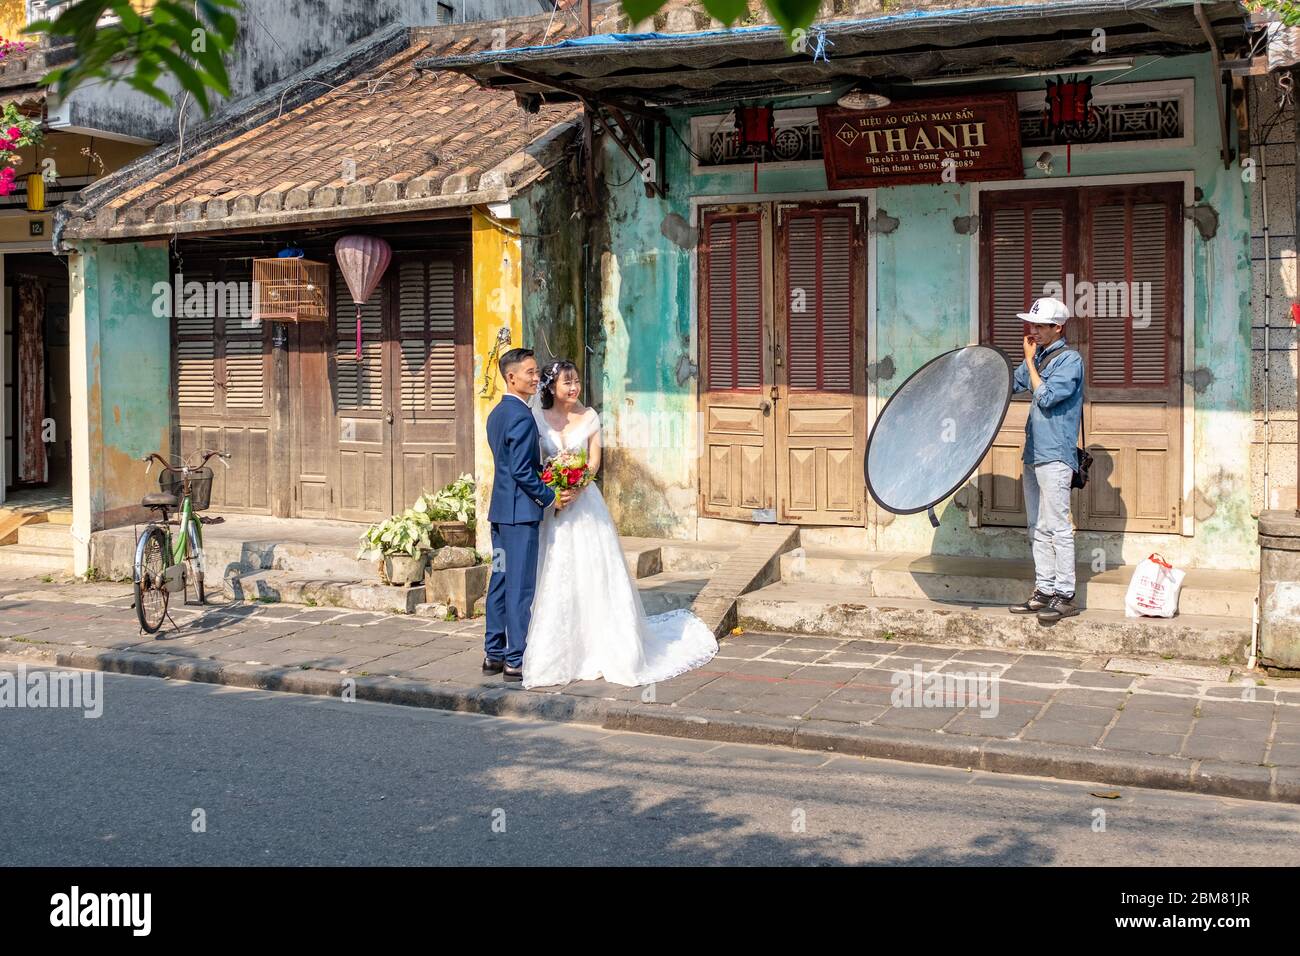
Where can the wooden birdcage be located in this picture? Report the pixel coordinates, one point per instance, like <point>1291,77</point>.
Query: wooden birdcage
<point>290,290</point>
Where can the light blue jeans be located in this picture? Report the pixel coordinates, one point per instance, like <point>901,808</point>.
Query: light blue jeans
<point>1047,506</point>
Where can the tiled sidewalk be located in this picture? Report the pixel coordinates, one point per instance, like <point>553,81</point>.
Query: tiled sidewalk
<point>807,691</point>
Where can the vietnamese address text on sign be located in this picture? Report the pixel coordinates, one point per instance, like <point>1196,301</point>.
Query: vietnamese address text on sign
<point>908,142</point>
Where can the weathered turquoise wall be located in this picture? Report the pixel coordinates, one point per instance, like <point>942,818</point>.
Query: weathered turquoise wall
<point>128,378</point>
<point>551,243</point>
<point>644,331</point>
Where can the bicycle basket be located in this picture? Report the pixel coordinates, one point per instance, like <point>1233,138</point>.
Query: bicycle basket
<point>200,487</point>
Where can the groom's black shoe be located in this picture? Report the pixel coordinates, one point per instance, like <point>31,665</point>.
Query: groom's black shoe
<point>513,674</point>
<point>492,666</point>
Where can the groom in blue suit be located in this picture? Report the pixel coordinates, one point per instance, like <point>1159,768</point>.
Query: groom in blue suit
<point>519,499</point>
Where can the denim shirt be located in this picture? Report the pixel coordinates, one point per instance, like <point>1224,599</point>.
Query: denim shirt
<point>1052,431</point>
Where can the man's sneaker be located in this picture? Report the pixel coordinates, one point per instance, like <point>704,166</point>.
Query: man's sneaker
<point>1038,601</point>
<point>1062,605</point>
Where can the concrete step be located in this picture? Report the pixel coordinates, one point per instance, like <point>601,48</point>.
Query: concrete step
<point>46,535</point>
<point>1001,582</point>
<point>844,610</point>
<point>31,561</point>
<point>647,556</point>
<point>670,590</point>
<point>666,591</point>
<point>324,549</point>
<point>293,587</point>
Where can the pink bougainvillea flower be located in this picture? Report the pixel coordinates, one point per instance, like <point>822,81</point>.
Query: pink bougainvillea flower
<point>14,132</point>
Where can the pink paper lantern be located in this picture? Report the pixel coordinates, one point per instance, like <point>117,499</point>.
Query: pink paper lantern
<point>362,260</point>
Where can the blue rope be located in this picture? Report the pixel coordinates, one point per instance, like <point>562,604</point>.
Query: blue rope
<point>819,51</point>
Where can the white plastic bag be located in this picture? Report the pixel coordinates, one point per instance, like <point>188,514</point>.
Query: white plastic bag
<point>1153,592</point>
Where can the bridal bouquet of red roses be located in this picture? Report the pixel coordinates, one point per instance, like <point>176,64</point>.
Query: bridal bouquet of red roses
<point>568,469</point>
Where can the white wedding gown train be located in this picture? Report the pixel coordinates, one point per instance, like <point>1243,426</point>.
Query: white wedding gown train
<point>588,620</point>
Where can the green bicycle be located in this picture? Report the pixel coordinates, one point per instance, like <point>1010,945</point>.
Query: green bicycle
<point>162,565</point>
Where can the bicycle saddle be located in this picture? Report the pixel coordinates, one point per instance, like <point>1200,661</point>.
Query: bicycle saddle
<point>159,499</point>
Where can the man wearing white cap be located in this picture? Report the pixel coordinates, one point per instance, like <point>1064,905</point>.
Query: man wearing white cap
<point>1054,376</point>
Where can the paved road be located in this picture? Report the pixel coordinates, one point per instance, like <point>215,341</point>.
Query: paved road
<point>286,779</point>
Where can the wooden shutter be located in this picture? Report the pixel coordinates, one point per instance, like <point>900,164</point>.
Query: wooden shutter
<point>1128,253</point>
<point>734,303</point>
<point>442,336</point>
<point>1027,242</point>
<point>1132,251</point>
<point>220,355</point>
<point>1027,252</point>
<point>427,317</point>
<point>245,369</point>
<point>360,383</point>
<point>819,351</point>
<point>196,360</point>
<point>413,317</point>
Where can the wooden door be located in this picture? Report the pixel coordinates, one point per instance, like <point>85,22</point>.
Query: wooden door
<point>1028,240</point>
<point>313,464</point>
<point>1132,254</point>
<point>738,469</point>
<point>1095,243</point>
<point>362,403</point>
<point>819,364</point>
<point>430,362</point>
<point>223,377</point>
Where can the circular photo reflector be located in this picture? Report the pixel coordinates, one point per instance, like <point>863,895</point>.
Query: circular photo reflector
<point>936,428</point>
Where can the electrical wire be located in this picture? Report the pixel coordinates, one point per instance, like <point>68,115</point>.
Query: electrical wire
<point>694,155</point>
<point>514,232</point>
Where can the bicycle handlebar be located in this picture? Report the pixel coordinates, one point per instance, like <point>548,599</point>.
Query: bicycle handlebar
<point>184,467</point>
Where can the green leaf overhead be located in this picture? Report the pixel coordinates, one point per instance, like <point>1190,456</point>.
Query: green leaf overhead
<point>639,10</point>
<point>793,14</point>
<point>789,14</point>
<point>726,11</point>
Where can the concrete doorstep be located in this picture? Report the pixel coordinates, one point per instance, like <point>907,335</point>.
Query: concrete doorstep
<point>1065,717</point>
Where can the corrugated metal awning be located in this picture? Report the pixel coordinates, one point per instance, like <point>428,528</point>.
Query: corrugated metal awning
<point>664,69</point>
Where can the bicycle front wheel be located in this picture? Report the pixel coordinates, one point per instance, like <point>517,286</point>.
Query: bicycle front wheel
<point>151,595</point>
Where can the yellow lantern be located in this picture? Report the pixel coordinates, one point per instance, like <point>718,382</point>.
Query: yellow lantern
<point>35,192</point>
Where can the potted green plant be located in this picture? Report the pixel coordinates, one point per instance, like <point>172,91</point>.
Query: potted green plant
<point>401,544</point>
<point>451,512</point>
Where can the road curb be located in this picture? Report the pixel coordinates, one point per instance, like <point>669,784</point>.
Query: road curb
<point>993,755</point>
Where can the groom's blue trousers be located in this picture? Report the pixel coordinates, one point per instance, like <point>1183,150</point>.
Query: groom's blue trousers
<point>510,591</point>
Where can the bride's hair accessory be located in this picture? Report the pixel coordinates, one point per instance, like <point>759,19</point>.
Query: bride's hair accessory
<point>550,375</point>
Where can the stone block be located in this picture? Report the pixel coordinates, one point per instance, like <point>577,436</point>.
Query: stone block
<point>451,557</point>
<point>457,587</point>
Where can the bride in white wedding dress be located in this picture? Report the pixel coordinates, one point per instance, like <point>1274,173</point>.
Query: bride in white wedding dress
<point>588,621</point>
